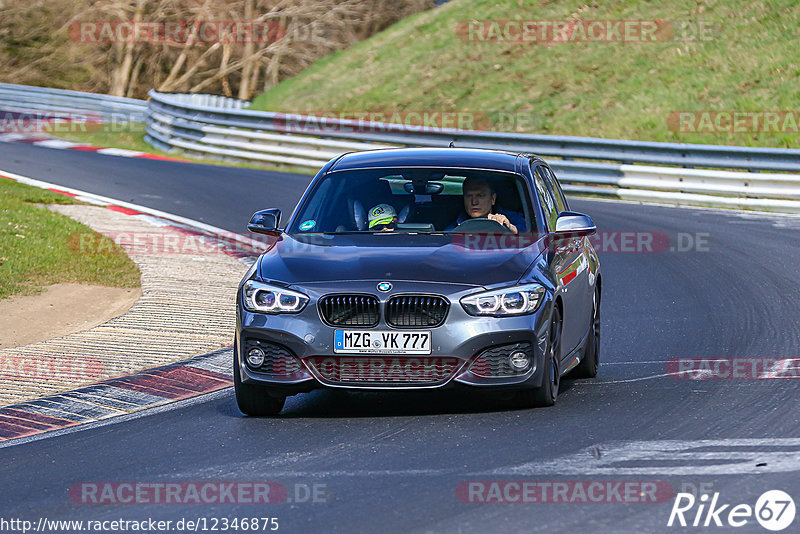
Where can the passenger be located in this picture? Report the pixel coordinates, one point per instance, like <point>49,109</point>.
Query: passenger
<point>479,201</point>
<point>382,218</point>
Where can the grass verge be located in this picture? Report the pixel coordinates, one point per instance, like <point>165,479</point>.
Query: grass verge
<point>37,246</point>
<point>723,56</point>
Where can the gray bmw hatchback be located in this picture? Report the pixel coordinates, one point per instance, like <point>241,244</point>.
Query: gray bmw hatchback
<point>420,268</point>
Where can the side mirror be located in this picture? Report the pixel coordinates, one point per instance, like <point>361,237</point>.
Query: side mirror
<point>265,222</point>
<point>573,224</point>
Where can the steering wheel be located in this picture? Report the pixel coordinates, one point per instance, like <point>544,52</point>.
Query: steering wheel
<point>481,225</point>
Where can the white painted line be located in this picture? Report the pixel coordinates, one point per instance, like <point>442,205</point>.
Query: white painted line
<point>58,143</point>
<point>155,221</point>
<point>623,381</point>
<point>257,245</point>
<point>90,200</point>
<point>120,152</point>
<point>754,213</point>
<point>670,457</point>
<point>355,473</point>
<point>8,137</point>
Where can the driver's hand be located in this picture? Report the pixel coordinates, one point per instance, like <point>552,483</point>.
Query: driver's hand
<point>502,219</point>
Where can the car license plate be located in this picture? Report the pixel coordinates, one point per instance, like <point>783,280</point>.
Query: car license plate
<point>382,342</point>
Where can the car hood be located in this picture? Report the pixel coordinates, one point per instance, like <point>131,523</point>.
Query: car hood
<point>448,258</point>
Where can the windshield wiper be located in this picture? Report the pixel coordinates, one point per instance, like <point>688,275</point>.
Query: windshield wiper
<point>378,232</point>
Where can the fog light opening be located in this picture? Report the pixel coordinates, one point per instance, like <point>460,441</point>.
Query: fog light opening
<point>519,360</point>
<point>255,357</point>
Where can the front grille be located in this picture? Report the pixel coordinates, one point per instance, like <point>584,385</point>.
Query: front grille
<point>279,361</point>
<point>493,362</point>
<point>349,310</point>
<point>416,311</point>
<point>384,370</point>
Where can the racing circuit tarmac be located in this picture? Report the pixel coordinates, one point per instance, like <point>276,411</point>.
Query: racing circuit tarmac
<point>400,462</point>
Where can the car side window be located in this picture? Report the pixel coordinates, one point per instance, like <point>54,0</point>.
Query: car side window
<point>561,200</point>
<point>546,198</point>
<point>544,172</point>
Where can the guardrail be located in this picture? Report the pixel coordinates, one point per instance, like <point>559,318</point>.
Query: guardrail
<point>686,174</point>
<point>54,103</point>
<point>219,127</point>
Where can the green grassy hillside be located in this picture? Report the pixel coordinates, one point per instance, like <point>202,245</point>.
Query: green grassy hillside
<point>713,56</point>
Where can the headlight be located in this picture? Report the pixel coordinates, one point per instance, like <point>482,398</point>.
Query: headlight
<point>264,298</point>
<point>517,300</point>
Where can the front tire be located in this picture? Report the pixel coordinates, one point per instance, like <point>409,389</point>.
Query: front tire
<point>547,393</point>
<point>253,400</point>
<point>590,362</point>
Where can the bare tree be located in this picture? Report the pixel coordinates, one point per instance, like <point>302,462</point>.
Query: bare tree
<point>40,45</point>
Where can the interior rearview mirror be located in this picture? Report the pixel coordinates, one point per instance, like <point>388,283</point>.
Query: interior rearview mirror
<point>431,188</point>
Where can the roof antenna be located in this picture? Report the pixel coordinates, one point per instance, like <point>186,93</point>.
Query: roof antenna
<point>452,144</point>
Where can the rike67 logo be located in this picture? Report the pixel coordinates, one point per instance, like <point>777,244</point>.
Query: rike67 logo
<point>774,510</point>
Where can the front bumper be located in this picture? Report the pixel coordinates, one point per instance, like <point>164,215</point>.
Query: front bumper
<point>461,337</point>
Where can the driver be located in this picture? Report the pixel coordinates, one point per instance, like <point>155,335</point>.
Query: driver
<point>479,200</point>
<point>382,218</point>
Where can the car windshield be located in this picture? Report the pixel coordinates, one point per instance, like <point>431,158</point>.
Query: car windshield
<point>417,200</point>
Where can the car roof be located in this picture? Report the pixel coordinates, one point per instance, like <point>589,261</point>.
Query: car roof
<point>462,158</point>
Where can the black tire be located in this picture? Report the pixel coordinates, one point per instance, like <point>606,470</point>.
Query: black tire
<point>590,362</point>
<point>547,393</point>
<point>253,400</point>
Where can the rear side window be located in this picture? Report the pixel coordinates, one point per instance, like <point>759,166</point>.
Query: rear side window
<point>546,198</point>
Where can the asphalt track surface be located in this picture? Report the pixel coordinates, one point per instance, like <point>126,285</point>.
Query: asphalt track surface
<point>392,462</point>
